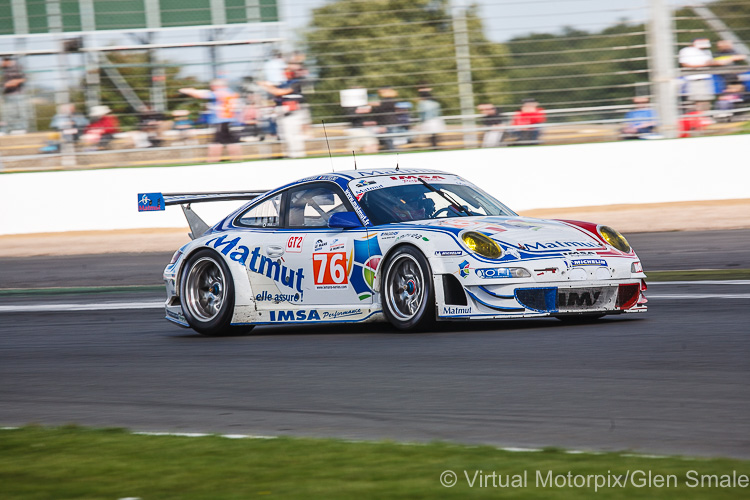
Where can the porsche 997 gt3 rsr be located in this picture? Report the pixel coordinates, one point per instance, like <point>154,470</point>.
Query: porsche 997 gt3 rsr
<point>409,246</point>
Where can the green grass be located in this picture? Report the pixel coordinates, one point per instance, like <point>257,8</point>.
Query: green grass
<point>698,275</point>
<point>73,462</point>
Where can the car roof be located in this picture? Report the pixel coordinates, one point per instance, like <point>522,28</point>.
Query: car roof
<point>350,175</point>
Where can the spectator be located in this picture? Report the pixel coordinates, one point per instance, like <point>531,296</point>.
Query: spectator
<point>430,116</point>
<point>492,119</point>
<point>726,55</point>
<point>152,125</point>
<point>274,70</point>
<point>699,88</point>
<point>731,98</point>
<point>182,126</point>
<point>102,129</point>
<point>292,117</point>
<point>525,122</point>
<point>15,117</point>
<point>69,123</point>
<point>692,122</point>
<point>640,122</point>
<point>386,115</point>
<point>222,110</point>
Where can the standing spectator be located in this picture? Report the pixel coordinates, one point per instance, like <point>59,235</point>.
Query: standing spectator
<point>492,119</point>
<point>525,122</point>
<point>102,129</point>
<point>274,70</point>
<point>430,116</point>
<point>639,122</point>
<point>290,110</point>
<point>699,87</point>
<point>222,110</point>
<point>726,55</point>
<point>14,105</point>
<point>386,115</point>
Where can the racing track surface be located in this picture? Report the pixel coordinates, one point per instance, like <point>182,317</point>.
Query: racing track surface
<point>675,380</point>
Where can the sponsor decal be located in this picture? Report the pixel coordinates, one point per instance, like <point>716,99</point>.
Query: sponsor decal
<point>579,299</point>
<point>458,223</point>
<point>388,235</point>
<point>366,257</point>
<point>464,268</point>
<point>320,245</point>
<point>448,253</point>
<point>551,245</point>
<point>414,236</point>
<point>294,244</point>
<point>579,253</point>
<point>359,193</point>
<point>364,183</point>
<point>415,178</point>
<point>277,297</point>
<point>150,202</point>
<point>540,272</point>
<point>311,315</point>
<point>258,263</point>
<point>449,310</point>
<point>491,273</point>
<point>588,262</point>
<point>357,208</point>
<point>637,267</point>
<point>329,270</point>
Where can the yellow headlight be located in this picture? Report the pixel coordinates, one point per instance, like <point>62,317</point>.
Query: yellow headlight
<point>614,239</point>
<point>481,244</point>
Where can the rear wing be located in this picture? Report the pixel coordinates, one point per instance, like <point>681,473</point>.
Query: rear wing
<point>151,202</point>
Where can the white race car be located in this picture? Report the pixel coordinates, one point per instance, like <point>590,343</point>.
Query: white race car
<point>409,246</point>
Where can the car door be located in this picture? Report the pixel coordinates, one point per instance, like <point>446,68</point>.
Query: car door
<point>325,254</point>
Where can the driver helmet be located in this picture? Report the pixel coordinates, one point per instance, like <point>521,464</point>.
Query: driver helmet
<point>413,205</point>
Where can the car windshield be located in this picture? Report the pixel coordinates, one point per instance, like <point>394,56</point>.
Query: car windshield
<point>417,201</point>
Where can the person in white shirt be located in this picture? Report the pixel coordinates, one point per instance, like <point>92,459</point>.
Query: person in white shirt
<point>699,87</point>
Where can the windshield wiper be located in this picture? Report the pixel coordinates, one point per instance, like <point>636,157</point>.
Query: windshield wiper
<point>447,197</point>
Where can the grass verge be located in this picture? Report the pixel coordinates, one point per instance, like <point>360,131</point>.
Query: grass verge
<point>73,462</point>
<point>698,275</point>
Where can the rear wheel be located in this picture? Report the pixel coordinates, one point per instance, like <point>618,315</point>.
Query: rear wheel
<point>407,295</point>
<point>207,294</point>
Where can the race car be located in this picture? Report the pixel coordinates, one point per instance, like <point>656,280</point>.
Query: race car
<point>409,246</point>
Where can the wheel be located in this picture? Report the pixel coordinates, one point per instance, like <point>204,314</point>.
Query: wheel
<point>408,296</point>
<point>580,319</point>
<point>207,293</point>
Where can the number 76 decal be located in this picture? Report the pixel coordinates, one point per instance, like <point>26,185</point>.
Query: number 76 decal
<point>330,270</point>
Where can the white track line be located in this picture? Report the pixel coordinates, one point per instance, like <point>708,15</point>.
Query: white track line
<point>106,306</point>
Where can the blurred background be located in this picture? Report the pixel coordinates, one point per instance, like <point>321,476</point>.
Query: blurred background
<point>101,83</point>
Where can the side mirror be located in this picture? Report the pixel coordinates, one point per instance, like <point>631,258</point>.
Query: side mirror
<point>344,220</point>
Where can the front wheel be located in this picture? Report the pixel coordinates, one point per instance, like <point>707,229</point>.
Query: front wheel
<point>407,295</point>
<point>207,293</point>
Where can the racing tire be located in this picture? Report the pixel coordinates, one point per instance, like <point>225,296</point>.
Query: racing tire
<point>207,294</point>
<point>407,293</point>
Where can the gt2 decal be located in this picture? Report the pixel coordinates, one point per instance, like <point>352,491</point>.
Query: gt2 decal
<point>258,263</point>
<point>294,244</point>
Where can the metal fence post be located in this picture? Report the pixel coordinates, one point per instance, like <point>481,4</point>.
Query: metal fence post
<point>463,66</point>
<point>662,64</point>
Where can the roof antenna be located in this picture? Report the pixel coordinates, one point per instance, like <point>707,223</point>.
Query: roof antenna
<point>396,162</point>
<point>355,160</point>
<point>329,146</point>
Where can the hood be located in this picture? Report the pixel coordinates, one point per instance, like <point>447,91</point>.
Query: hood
<point>524,235</point>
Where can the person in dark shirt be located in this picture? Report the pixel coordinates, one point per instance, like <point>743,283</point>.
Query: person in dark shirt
<point>492,119</point>
<point>15,117</point>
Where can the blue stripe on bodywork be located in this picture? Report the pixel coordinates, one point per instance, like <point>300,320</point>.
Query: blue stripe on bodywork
<point>491,306</point>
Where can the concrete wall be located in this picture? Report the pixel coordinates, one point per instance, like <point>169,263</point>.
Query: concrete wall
<point>711,168</point>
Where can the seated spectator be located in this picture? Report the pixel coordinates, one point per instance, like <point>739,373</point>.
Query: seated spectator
<point>525,122</point>
<point>102,129</point>
<point>640,123</point>
<point>69,126</point>
<point>693,122</point>
<point>731,98</point>
<point>492,119</point>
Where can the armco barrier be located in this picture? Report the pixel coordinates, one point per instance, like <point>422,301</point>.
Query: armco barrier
<point>711,168</point>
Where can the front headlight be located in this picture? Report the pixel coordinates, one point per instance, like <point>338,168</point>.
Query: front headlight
<point>482,245</point>
<point>614,239</point>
